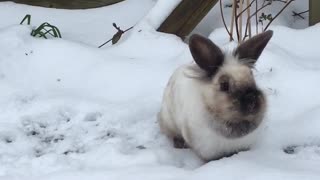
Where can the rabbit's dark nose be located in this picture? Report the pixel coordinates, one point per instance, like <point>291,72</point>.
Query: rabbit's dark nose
<point>249,101</point>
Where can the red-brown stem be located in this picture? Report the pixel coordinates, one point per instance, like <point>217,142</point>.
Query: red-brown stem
<point>236,21</point>
<point>240,20</point>
<point>233,17</point>
<point>249,18</point>
<point>224,22</point>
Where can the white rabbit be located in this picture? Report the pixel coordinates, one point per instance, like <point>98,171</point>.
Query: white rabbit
<point>217,112</point>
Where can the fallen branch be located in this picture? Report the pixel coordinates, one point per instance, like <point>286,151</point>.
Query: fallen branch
<point>116,37</point>
<point>299,14</point>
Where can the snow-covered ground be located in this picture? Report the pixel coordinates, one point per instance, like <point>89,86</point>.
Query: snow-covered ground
<point>93,26</point>
<point>69,110</point>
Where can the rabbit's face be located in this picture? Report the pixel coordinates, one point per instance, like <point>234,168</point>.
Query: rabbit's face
<point>231,95</point>
<point>235,101</point>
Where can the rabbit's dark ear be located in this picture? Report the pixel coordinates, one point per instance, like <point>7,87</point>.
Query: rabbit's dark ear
<point>206,54</point>
<point>250,50</point>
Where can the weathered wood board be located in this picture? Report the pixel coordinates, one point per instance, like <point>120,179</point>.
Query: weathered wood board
<point>186,16</point>
<point>68,4</point>
<point>314,17</point>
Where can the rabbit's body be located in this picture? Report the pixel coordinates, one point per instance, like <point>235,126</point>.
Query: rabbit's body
<point>193,121</point>
<point>212,122</point>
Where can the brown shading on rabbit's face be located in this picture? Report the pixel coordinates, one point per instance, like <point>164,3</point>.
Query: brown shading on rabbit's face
<point>236,104</point>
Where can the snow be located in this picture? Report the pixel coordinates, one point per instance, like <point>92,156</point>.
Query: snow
<point>160,12</point>
<point>69,110</point>
<point>93,26</point>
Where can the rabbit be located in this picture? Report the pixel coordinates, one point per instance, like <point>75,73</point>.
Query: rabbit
<point>214,106</point>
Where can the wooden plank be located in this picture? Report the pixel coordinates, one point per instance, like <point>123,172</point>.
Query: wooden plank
<point>68,4</point>
<point>186,16</point>
<point>314,17</point>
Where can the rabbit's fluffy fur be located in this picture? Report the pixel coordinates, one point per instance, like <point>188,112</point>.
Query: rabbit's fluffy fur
<point>214,105</point>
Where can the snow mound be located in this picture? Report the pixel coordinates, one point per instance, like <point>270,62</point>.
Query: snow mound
<point>72,111</point>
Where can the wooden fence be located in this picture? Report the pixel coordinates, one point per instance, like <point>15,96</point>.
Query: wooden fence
<point>314,7</point>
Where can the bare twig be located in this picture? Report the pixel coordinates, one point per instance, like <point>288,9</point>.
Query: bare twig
<point>238,17</point>
<point>240,21</point>
<point>245,9</point>
<point>283,1</point>
<point>264,2</point>
<point>256,15</point>
<point>257,11</point>
<point>224,22</point>
<point>284,7</point>
<point>234,6</point>
<point>296,14</point>
<point>236,20</point>
<point>299,14</point>
<point>105,43</point>
<point>248,14</point>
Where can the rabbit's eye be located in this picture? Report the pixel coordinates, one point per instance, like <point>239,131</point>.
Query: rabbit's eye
<point>224,86</point>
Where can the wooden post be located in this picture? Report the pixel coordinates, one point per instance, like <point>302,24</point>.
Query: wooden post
<point>68,4</point>
<point>186,16</point>
<point>314,17</point>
